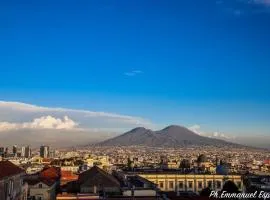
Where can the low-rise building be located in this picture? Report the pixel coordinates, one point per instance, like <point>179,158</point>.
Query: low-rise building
<point>257,183</point>
<point>190,182</point>
<point>66,196</point>
<point>136,186</point>
<point>44,184</point>
<point>96,180</point>
<point>12,186</point>
<point>42,189</point>
<point>73,169</point>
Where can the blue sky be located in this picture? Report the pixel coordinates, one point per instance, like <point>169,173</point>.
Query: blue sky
<point>172,62</point>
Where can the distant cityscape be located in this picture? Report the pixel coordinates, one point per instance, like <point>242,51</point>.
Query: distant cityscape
<point>134,172</point>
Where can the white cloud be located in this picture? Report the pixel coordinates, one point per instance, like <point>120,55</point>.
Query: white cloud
<point>222,136</point>
<point>14,112</point>
<point>133,73</point>
<point>45,122</point>
<point>197,129</point>
<point>31,124</point>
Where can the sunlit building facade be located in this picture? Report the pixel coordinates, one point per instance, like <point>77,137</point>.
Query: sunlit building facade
<point>190,182</point>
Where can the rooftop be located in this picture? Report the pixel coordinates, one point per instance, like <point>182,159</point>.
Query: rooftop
<point>7,168</point>
<point>170,171</point>
<point>95,175</point>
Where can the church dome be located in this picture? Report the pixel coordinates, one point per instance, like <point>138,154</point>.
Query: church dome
<point>202,158</point>
<point>185,164</point>
<point>222,170</point>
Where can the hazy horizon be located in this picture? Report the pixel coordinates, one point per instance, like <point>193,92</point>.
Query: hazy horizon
<point>35,125</point>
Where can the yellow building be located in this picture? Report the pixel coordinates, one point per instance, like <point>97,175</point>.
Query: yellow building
<point>101,161</point>
<point>36,160</point>
<point>190,182</point>
<point>172,165</point>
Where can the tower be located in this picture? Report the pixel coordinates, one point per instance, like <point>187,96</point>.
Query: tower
<point>23,151</point>
<point>28,152</point>
<point>14,150</point>
<point>44,151</point>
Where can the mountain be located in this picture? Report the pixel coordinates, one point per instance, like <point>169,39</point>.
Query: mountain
<point>171,136</point>
<point>138,136</point>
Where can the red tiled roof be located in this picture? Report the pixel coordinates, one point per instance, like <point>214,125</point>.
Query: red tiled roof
<point>131,198</point>
<point>7,168</point>
<point>77,197</point>
<point>68,175</point>
<point>267,162</point>
<point>50,173</point>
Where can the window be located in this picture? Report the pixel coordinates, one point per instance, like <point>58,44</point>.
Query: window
<point>40,185</point>
<point>181,184</point>
<point>190,184</point>
<point>39,197</point>
<point>200,184</point>
<point>10,187</point>
<point>218,184</point>
<point>6,189</point>
<point>209,184</point>
<point>171,185</point>
<point>161,184</point>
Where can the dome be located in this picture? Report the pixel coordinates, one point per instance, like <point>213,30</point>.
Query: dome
<point>222,170</point>
<point>223,162</point>
<point>202,158</point>
<point>185,163</point>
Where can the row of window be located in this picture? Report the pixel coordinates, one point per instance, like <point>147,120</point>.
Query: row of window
<point>8,188</point>
<point>189,184</point>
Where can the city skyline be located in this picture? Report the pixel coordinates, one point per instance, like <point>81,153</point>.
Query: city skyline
<point>105,67</point>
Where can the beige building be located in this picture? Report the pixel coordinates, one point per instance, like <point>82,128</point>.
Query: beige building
<point>95,180</point>
<point>73,169</point>
<point>101,161</point>
<point>11,182</point>
<point>42,190</point>
<point>190,182</point>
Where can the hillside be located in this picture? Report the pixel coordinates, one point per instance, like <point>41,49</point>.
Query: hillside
<point>171,136</point>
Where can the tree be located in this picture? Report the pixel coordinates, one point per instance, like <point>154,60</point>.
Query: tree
<point>205,192</point>
<point>184,164</point>
<point>230,187</point>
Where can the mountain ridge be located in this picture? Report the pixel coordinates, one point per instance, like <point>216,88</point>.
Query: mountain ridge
<point>170,136</point>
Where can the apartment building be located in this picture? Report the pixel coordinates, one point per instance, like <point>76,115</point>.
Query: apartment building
<point>190,182</point>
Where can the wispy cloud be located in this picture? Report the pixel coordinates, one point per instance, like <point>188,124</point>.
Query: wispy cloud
<point>244,7</point>
<point>238,12</point>
<point>263,2</point>
<point>16,111</point>
<point>31,124</point>
<point>219,2</point>
<point>133,73</point>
